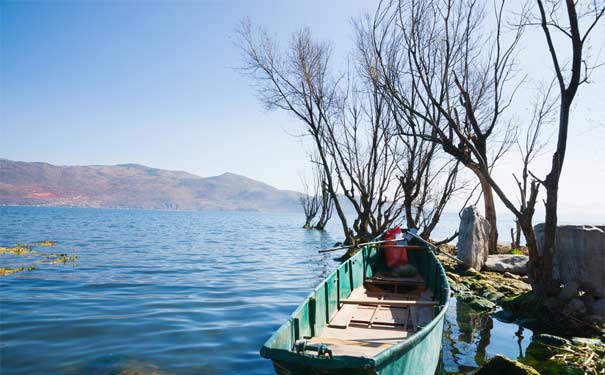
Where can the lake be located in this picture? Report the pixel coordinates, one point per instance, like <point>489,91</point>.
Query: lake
<point>169,292</point>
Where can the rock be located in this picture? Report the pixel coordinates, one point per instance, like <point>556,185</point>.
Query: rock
<point>529,323</point>
<point>492,296</point>
<point>503,248</point>
<point>583,341</point>
<point>588,300</point>
<point>511,275</point>
<point>473,238</point>
<point>596,319</point>
<point>504,316</point>
<point>598,307</point>
<point>475,302</point>
<point>516,264</point>
<point>575,307</point>
<point>579,255</point>
<point>551,340</point>
<point>553,303</point>
<point>504,366</point>
<point>570,290</point>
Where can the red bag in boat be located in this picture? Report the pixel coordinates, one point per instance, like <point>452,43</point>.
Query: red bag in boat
<point>395,256</point>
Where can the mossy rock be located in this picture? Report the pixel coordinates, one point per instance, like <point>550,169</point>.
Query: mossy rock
<point>539,354</point>
<point>492,296</point>
<point>476,302</point>
<point>595,343</point>
<point>551,340</point>
<point>504,366</point>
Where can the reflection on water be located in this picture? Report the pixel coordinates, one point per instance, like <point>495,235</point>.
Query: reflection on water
<point>471,338</point>
<point>177,293</point>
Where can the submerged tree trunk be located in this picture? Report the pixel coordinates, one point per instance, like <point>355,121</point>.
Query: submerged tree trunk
<point>327,205</point>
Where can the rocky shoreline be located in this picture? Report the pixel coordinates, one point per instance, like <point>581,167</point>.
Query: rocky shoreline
<point>562,344</point>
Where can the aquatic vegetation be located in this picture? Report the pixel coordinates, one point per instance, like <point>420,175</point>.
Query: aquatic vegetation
<point>19,249</point>
<point>47,243</point>
<point>135,367</point>
<point>9,271</point>
<point>62,258</point>
<point>552,355</point>
<point>26,251</point>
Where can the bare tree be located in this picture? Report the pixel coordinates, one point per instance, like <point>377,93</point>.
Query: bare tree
<point>440,66</point>
<point>568,78</point>
<point>310,200</point>
<point>428,182</point>
<point>351,120</point>
<point>316,200</point>
<point>298,82</point>
<point>434,48</point>
<point>568,87</point>
<point>327,204</point>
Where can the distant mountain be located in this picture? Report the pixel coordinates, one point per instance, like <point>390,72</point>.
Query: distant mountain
<point>135,186</point>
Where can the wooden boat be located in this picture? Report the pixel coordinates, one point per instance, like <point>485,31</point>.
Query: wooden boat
<point>364,320</point>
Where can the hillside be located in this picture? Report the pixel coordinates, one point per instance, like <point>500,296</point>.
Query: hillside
<point>135,186</point>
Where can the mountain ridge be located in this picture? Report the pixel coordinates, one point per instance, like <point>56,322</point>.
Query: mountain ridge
<point>135,186</point>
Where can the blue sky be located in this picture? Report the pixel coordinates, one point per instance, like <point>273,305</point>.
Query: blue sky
<point>150,82</point>
<point>154,82</point>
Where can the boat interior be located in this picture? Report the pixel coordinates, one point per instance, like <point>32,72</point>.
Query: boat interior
<point>378,314</point>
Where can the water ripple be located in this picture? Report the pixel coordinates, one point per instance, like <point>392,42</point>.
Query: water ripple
<point>165,292</point>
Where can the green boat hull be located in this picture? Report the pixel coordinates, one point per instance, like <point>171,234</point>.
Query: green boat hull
<point>417,355</point>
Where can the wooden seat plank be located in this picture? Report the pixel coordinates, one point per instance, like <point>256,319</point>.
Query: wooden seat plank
<point>387,302</point>
<point>343,317</point>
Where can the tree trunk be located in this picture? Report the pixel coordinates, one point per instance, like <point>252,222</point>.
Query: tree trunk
<point>490,214</point>
<point>349,238</point>
<point>536,261</point>
<point>409,217</point>
<point>551,183</point>
<point>307,223</point>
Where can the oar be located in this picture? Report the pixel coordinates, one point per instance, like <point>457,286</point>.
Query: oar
<point>357,245</point>
<point>409,247</point>
<point>436,248</point>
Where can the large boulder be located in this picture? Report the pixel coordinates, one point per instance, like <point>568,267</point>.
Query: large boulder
<point>598,307</point>
<point>579,256</point>
<point>504,366</point>
<point>473,237</point>
<point>575,307</point>
<point>515,264</point>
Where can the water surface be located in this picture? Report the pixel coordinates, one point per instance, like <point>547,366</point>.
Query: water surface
<point>175,293</point>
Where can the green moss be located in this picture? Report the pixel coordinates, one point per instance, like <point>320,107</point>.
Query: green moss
<point>551,359</point>
<point>504,366</point>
